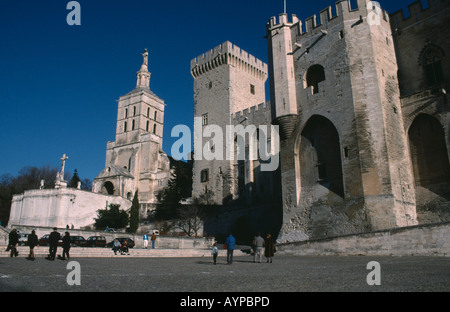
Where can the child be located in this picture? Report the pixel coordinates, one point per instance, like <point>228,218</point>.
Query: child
<point>215,252</point>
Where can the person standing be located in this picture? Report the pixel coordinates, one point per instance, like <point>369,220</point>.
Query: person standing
<point>269,252</point>
<point>12,243</point>
<point>259,245</point>
<point>230,242</point>
<point>66,246</point>
<point>53,243</point>
<point>215,252</point>
<point>32,242</point>
<point>145,238</point>
<point>153,240</point>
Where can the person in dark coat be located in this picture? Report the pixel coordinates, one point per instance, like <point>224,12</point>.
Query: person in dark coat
<point>13,241</point>
<point>270,248</point>
<point>32,242</point>
<point>53,243</point>
<point>230,243</point>
<point>66,246</point>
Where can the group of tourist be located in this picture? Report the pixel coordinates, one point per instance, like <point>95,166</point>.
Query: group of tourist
<point>33,241</point>
<point>259,245</point>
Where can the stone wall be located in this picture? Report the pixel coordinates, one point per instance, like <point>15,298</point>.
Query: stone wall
<point>419,240</point>
<point>60,207</point>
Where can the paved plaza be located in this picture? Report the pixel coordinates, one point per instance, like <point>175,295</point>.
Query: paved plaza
<point>285,274</point>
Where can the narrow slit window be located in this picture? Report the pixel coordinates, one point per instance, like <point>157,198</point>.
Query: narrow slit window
<point>346,152</point>
<point>204,175</point>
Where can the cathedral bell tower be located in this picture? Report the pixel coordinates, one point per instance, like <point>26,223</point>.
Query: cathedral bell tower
<point>135,160</point>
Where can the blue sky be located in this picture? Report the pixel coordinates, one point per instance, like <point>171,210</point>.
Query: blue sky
<point>59,84</point>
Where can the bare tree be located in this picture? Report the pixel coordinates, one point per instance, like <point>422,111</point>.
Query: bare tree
<point>205,198</point>
<point>190,219</point>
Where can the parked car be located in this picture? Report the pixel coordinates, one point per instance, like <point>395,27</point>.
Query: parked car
<point>23,239</point>
<point>96,241</point>
<point>43,241</point>
<point>130,242</point>
<point>79,241</point>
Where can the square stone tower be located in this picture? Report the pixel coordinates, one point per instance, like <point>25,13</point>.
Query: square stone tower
<point>227,80</point>
<point>345,162</point>
<point>135,160</point>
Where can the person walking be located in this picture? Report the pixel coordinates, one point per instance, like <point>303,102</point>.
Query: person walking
<point>12,243</point>
<point>230,242</point>
<point>145,238</point>
<point>32,242</point>
<point>153,240</point>
<point>259,245</point>
<point>53,243</point>
<point>269,252</point>
<point>215,252</point>
<point>66,246</point>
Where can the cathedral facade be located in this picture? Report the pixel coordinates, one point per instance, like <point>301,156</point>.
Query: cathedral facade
<point>135,161</point>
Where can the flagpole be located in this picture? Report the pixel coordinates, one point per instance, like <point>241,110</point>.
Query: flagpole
<point>284,6</point>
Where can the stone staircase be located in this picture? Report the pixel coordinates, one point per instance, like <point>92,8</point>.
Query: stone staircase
<point>84,252</point>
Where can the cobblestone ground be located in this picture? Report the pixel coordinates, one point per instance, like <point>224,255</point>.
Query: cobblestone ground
<point>285,274</point>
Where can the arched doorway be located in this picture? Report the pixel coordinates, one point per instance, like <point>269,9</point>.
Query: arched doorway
<point>108,188</point>
<point>320,155</point>
<point>428,151</point>
<point>431,169</point>
<point>314,75</point>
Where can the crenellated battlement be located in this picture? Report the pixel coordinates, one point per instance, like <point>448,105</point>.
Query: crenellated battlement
<point>228,53</point>
<point>250,112</point>
<point>416,13</point>
<point>326,17</point>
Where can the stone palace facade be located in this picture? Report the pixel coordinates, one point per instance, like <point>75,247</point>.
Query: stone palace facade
<point>362,108</point>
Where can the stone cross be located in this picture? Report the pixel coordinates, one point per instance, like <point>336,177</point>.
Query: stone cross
<point>63,164</point>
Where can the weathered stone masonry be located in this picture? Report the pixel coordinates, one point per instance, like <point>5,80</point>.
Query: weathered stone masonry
<point>345,152</point>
